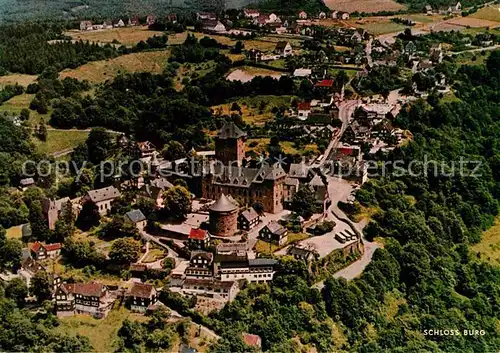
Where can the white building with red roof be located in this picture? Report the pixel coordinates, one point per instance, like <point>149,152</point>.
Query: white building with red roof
<point>303,110</point>
<point>198,238</point>
<point>41,251</point>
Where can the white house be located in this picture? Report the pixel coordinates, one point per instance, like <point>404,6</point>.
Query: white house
<point>251,13</point>
<point>283,49</point>
<point>303,110</point>
<point>102,198</point>
<point>302,15</point>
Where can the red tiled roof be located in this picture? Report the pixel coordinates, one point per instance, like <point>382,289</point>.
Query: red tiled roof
<point>304,106</point>
<point>52,247</point>
<point>198,234</point>
<point>36,247</point>
<point>324,83</point>
<point>251,340</point>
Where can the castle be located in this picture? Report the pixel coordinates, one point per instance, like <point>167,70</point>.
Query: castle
<point>263,185</point>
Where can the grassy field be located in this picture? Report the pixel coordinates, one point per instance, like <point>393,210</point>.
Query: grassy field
<point>383,27</point>
<point>422,18</point>
<point>489,246</point>
<point>259,146</point>
<point>100,71</point>
<point>59,140</point>
<point>101,333</point>
<point>21,79</point>
<point>126,36</point>
<point>17,103</point>
<point>251,111</point>
<point>263,247</point>
<point>371,6</point>
<point>488,13</point>
<point>14,232</point>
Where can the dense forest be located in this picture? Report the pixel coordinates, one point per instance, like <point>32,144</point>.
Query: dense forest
<point>26,49</point>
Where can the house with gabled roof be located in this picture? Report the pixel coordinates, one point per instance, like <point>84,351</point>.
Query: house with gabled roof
<point>154,190</point>
<point>248,219</point>
<point>251,13</point>
<point>150,19</point>
<point>41,251</point>
<point>274,233</point>
<point>200,265</point>
<point>141,296</point>
<point>102,198</point>
<point>302,15</point>
<point>283,49</point>
<point>137,218</point>
<point>198,238</point>
<point>91,298</point>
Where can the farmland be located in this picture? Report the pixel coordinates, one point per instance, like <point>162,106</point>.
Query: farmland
<point>364,6</point>
<point>126,36</point>
<point>488,249</point>
<point>20,79</point>
<point>100,71</point>
<point>489,13</point>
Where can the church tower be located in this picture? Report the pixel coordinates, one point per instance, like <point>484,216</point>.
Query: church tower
<point>230,145</point>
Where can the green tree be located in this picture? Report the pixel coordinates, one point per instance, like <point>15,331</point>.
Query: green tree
<point>39,227</point>
<point>17,290</point>
<point>89,216</point>
<point>304,202</point>
<point>173,150</point>
<point>40,286</point>
<point>10,253</point>
<point>176,203</point>
<point>99,144</point>
<point>125,251</point>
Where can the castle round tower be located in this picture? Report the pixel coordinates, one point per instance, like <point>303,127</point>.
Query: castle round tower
<point>223,220</point>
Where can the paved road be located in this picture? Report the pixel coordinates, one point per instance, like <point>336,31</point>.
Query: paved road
<point>493,47</point>
<point>346,109</point>
<point>368,52</point>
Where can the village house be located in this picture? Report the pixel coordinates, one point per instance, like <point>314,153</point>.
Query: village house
<point>340,15</point>
<point>150,19</point>
<point>213,26</point>
<point>134,21</point>
<point>248,219</point>
<point>322,15</point>
<point>302,254</point>
<point>206,16</point>
<point>27,183</point>
<point>118,23</point>
<point>302,72</point>
<point>102,198</point>
<point>303,110</point>
<point>232,268</point>
<point>238,249</point>
<point>85,25</point>
<point>41,251</point>
<point>137,218</point>
<point>302,15</point>
<point>254,55</point>
<point>251,13</point>
<point>83,298</point>
<point>198,239</point>
<point>200,265</point>
<point>146,148</point>
<point>141,296</point>
<point>223,291</point>
<point>172,17</point>
<point>283,49</point>
<point>428,10</point>
<point>274,233</point>
<point>154,190</point>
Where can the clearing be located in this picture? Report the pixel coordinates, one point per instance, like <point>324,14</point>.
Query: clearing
<point>20,79</point>
<point>59,140</point>
<point>15,232</point>
<point>255,110</point>
<point>101,333</point>
<point>127,35</point>
<point>100,71</point>
<point>467,22</point>
<point>489,13</point>
<point>371,6</point>
<point>378,25</point>
<point>247,73</point>
<point>192,71</point>
<point>17,103</point>
<point>489,246</point>
<point>259,145</point>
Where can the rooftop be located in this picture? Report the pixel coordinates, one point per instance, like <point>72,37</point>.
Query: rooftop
<point>223,204</point>
<point>230,131</point>
<point>198,234</point>
<point>141,290</point>
<point>103,194</point>
<point>135,216</point>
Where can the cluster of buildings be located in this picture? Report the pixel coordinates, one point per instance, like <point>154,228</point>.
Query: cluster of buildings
<point>444,10</point>
<point>87,25</point>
